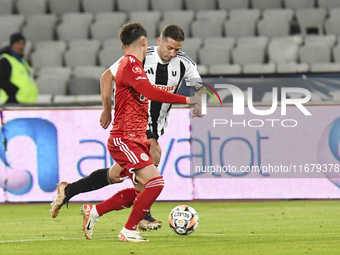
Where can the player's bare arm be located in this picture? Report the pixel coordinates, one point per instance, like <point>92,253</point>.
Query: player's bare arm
<point>106,90</point>
<point>197,112</point>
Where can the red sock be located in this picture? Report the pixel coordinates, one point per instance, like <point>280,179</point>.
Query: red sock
<point>121,200</point>
<point>144,201</point>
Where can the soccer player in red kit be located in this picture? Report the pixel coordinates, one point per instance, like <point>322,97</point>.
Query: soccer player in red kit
<point>128,144</point>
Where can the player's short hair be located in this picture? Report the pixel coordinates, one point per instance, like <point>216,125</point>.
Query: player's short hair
<point>131,32</point>
<point>174,32</point>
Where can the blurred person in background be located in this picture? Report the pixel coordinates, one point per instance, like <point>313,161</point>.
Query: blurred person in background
<point>16,80</point>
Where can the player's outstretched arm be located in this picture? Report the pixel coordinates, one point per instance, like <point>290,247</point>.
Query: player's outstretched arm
<point>197,111</point>
<point>105,90</point>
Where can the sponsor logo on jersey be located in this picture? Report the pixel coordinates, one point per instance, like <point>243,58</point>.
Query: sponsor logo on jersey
<point>141,78</point>
<point>166,88</point>
<point>144,157</point>
<point>132,60</point>
<point>137,70</point>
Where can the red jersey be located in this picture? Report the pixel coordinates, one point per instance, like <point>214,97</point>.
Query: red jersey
<point>133,90</point>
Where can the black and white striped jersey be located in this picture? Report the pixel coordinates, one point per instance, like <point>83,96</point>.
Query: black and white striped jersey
<point>166,76</point>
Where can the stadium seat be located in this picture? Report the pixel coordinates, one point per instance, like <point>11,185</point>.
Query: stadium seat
<point>213,55</point>
<point>83,86</point>
<point>64,6</point>
<point>181,18</point>
<point>91,45</point>
<point>336,53</point>
<point>325,67</point>
<point>278,14</point>
<point>332,26</point>
<point>71,30</point>
<point>51,85</point>
<point>329,4</point>
<point>292,67</point>
<point>109,55</point>
<point>252,14</point>
<point>197,5</point>
<point>327,40</point>
<point>53,45</point>
<point>64,99</point>
<point>149,19</point>
<point>36,32</point>
<point>152,41</point>
<point>88,98</point>
<point>132,5</point>
<point>202,28</point>
<point>335,12</point>
<point>105,29</point>
<point>261,41</point>
<point>191,46</point>
<point>166,5</point>
<point>31,7</point>
<point>50,19</point>
<point>94,72</point>
<point>300,4</point>
<point>312,54</point>
<point>202,69</point>
<point>273,27</point>
<point>84,17</point>
<point>213,15</point>
<point>239,28</point>
<point>16,20</point>
<point>233,4</point>
<point>119,17</point>
<point>6,29</point>
<point>265,4</point>
<point>80,57</point>
<point>98,6</point>
<point>6,7</point>
<point>259,68</point>
<point>248,54</point>
<point>44,99</point>
<point>113,42</point>
<point>227,42</point>
<point>46,57</point>
<point>225,69</point>
<point>311,20</point>
<point>283,50</point>
<point>63,72</point>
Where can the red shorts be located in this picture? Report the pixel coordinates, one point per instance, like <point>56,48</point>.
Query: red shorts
<point>130,155</point>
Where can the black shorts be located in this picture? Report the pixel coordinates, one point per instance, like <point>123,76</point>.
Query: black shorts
<point>150,134</point>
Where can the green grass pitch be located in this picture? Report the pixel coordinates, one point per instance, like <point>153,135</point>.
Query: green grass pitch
<point>268,227</point>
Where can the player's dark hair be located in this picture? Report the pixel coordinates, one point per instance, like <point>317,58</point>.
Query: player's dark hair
<point>174,32</point>
<point>131,32</point>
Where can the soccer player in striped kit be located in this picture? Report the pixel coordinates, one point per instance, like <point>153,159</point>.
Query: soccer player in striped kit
<point>166,67</point>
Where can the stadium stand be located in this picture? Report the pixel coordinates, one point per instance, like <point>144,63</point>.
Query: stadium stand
<point>252,36</point>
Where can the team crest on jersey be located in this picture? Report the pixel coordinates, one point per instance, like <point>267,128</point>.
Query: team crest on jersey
<point>137,70</point>
<point>144,157</point>
<point>174,72</point>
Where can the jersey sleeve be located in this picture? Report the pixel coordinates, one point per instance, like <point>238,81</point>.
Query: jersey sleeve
<point>192,77</point>
<point>136,78</point>
<point>114,67</point>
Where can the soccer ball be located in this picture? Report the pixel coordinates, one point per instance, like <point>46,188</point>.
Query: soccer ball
<point>183,220</point>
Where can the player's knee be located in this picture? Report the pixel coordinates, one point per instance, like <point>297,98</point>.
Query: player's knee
<point>114,178</point>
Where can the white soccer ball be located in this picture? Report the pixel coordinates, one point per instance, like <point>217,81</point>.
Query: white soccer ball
<point>183,220</point>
